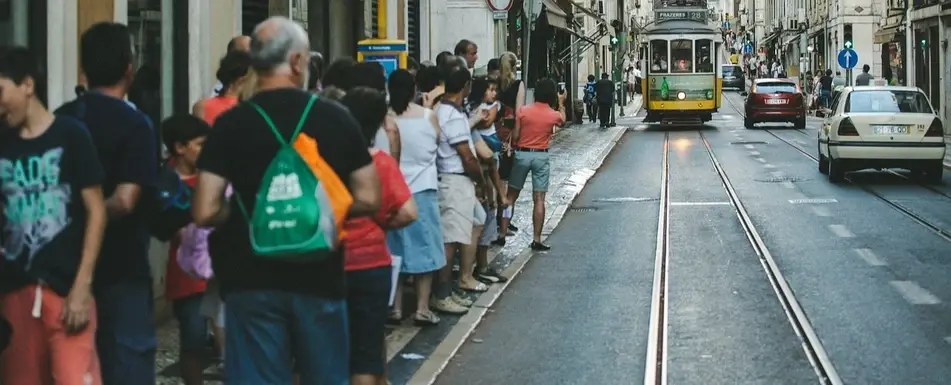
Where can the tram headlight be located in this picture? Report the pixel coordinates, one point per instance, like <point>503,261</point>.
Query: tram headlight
<point>681,95</point>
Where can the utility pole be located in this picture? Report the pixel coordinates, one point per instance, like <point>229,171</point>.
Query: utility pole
<point>528,9</point>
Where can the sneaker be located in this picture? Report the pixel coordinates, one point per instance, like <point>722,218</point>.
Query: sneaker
<point>448,306</point>
<point>538,246</point>
<point>513,228</point>
<point>461,300</point>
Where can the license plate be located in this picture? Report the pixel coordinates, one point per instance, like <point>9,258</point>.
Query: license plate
<point>890,130</point>
<point>775,101</point>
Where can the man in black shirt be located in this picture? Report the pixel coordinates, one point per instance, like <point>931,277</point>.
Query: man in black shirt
<point>279,312</point>
<point>604,92</point>
<point>825,89</point>
<point>53,221</point>
<point>126,144</point>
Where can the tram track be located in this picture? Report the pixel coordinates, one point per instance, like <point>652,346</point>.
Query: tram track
<point>656,363</point>
<point>908,212</point>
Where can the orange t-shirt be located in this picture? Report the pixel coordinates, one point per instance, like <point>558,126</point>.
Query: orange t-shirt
<point>216,106</point>
<point>537,122</point>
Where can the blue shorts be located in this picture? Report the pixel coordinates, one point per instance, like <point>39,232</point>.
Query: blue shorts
<point>125,338</point>
<point>269,333</point>
<point>192,325</point>
<point>368,305</point>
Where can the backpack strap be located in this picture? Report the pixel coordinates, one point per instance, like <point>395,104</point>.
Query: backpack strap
<point>275,131</point>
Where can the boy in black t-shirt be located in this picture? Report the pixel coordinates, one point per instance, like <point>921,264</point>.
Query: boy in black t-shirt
<point>53,223</point>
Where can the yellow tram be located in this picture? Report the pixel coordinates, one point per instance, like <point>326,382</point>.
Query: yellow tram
<point>682,84</point>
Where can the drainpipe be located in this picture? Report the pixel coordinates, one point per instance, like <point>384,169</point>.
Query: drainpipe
<point>909,49</point>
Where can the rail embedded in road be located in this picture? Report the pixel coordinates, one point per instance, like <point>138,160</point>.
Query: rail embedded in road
<point>655,371</point>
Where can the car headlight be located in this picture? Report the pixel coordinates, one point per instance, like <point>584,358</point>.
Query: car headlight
<point>681,95</point>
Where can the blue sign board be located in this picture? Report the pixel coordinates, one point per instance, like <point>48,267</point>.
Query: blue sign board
<point>848,58</point>
<point>748,49</point>
<point>390,63</point>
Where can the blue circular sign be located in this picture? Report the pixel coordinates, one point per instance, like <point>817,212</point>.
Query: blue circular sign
<point>848,58</point>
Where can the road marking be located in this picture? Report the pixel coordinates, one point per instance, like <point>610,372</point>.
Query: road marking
<point>777,174</point>
<point>754,153</point>
<point>914,294</point>
<point>841,231</point>
<point>749,146</point>
<point>870,258</point>
<point>761,160</point>
<point>821,211</point>
<point>767,165</point>
<point>800,142</point>
<point>625,199</point>
<point>788,184</point>
<point>700,203</point>
<point>813,201</point>
<point>398,339</point>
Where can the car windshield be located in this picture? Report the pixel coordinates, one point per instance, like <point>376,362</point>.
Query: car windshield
<point>729,70</point>
<point>888,101</point>
<point>775,88</point>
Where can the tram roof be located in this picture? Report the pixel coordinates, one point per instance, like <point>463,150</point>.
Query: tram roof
<point>679,26</point>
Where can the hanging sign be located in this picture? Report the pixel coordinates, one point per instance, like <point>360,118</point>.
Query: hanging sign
<point>680,15</point>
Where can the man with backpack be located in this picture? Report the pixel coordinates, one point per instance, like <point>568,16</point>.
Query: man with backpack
<point>299,167</point>
<point>128,152</point>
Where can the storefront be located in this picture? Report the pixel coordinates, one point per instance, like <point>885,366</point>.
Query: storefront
<point>891,41</point>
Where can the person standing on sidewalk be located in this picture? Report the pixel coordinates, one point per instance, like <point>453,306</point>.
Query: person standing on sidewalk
<point>239,44</point>
<point>125,140</point>
<point>459,176</point>
<point>864,78</point>
<point>512,96</point>
<point>53,225</point>
<point>589,99</point>
<point>534,128</point>
<point>604,91</point>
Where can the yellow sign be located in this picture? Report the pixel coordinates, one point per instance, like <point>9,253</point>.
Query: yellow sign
<point>391,54</point>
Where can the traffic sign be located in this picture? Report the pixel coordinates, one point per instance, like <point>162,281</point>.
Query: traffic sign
<point>848,58</point>
<point>748,49</point>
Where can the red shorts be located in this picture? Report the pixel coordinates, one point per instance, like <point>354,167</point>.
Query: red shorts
<point>40,350</point>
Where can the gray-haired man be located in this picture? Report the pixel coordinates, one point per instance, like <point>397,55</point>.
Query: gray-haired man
<point>279,313</point>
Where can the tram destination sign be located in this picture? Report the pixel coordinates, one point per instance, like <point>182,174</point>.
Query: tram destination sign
<point>681,15</point>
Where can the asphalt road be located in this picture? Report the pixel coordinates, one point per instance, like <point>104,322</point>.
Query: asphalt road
<point>871,281</point>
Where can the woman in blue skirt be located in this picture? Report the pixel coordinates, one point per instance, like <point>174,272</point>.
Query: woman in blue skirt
<point>420,245</point>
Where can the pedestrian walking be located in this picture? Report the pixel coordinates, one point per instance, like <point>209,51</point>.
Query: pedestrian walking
<point>285,303</point>
<point>604,89</point>
<point>54,222</point>
<point>125,141</point>
<point>864,78</point>
<point>534,129</point>
<point>590,101</point>
<point>420,245</point>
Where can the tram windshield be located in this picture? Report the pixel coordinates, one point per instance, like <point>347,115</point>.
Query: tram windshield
<point>681,55</point>
<point>703,56</point>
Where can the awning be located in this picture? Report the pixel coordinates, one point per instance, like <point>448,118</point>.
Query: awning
<point>790,40</point>
<point>556,16</point>
<point>769,39</point>
<point>589,12</point>
<point>887,34</point>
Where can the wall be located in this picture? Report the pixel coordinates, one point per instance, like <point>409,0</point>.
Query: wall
<point>454,20</point>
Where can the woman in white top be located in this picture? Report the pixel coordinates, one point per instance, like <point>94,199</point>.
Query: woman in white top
<point>420,245</point>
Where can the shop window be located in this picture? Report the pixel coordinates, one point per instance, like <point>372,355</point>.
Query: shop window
<point>681,56</point>
<point>659,60</point>
<point>145,23</point>
<point>23,23</point>
<point>703,56</point>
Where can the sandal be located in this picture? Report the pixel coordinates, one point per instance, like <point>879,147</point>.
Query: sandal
<point>425,319</point>
<point>479,288</point>
<point>490,276</point>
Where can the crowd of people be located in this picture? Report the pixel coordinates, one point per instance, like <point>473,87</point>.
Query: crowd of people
<point>417,170</point>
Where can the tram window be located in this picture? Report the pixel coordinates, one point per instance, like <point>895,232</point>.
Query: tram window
<point>659,56</point>
<point>681,55</point>
<point>702,55</point>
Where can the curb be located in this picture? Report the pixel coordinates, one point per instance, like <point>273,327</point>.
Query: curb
<point>430,370</point>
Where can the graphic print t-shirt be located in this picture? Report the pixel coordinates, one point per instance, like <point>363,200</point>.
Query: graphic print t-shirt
<point>44,219</point>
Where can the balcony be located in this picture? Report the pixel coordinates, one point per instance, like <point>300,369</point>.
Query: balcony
<point>918,4</point>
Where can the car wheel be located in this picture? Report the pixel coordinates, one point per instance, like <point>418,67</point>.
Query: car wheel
<point>748,123</point>
<point>823,163</point>
<point>933,173</point>
<point>800,124</point>
<point>835,171</point>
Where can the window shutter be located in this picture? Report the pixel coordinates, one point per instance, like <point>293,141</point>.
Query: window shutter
<point>413,30</point>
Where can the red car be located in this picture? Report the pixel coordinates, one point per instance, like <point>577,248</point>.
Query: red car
<point>775,100</point>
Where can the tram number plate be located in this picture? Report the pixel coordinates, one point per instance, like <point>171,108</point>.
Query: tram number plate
<point>890,130</point>
<point>775,101</point>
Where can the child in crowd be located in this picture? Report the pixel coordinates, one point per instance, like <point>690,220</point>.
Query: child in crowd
<point>183,136</point>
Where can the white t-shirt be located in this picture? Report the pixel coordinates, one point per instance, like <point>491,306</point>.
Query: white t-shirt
<point>454,129</point>
<point>491,129</point>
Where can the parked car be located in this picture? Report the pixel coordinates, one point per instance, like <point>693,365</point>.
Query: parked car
<point>882,127</point>
<point>733,77</point>
<point>775,100</point>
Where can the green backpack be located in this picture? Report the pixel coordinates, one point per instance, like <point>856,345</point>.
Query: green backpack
<point>292,218</point>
